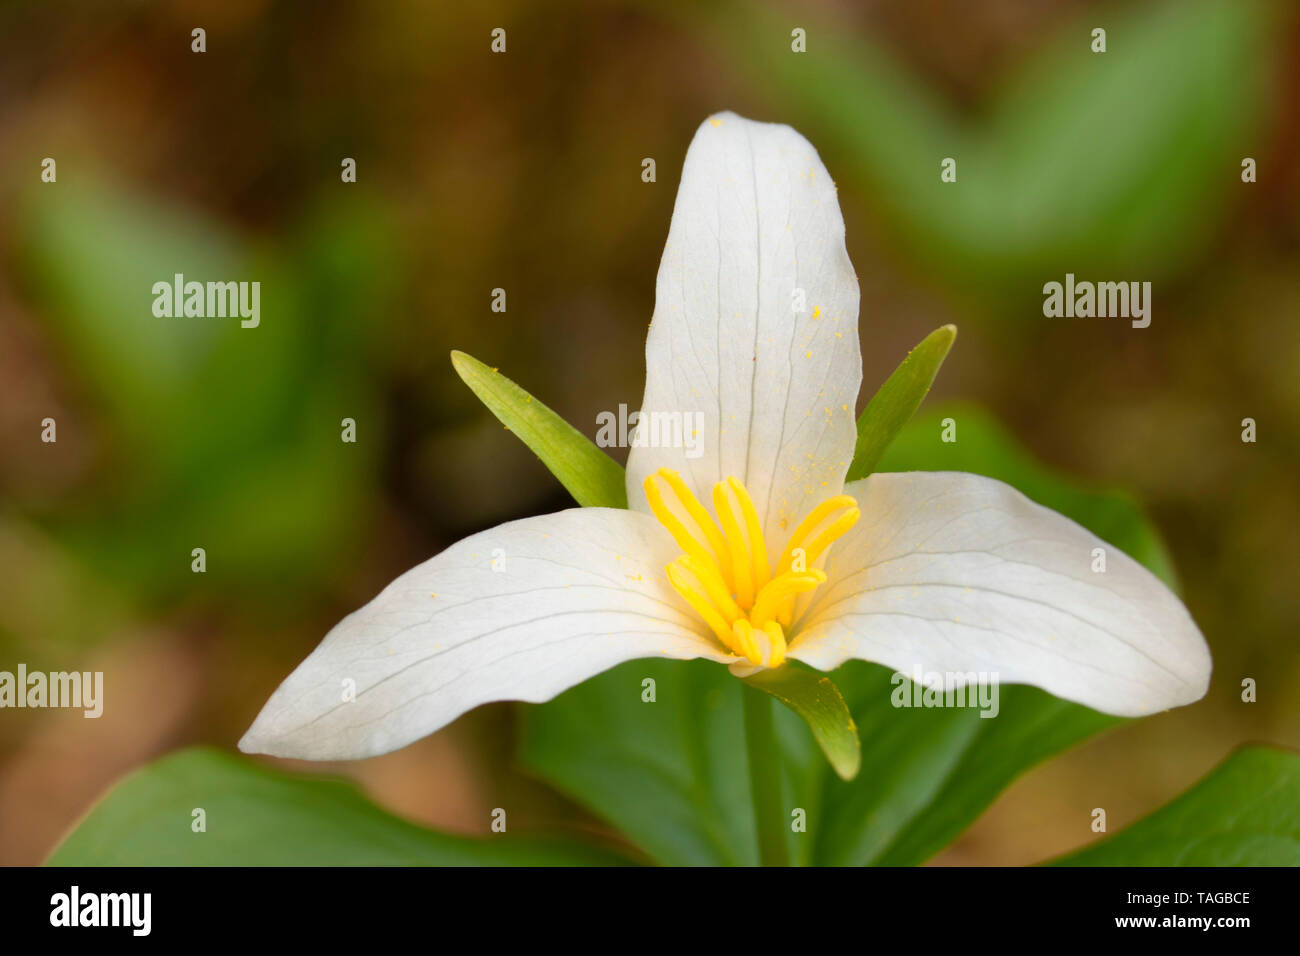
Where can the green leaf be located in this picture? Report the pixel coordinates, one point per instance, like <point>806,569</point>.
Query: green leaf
<point>593,478</point>
<point>816,699</point>
<point>1246,812</point>
<point>896,401</point>
<point>260,817</point>
<point>928,773</point>
<point>672,774</point>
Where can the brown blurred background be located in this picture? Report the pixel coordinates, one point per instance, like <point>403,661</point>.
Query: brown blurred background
<point>523,171</point>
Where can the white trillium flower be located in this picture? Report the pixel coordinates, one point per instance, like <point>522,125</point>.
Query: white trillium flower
<point>930,572</point>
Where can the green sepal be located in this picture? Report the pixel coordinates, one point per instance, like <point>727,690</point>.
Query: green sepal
<point>815,698</point>
<point>593,478</point>
<point>898,399</point>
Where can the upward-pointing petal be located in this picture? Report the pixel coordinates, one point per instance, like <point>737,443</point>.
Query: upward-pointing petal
<point>755,326</point>
<point>955,573</point>
<point>520,612</point>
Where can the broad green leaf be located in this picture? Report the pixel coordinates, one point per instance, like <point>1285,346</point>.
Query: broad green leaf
<point>672,775</point>
<point>1246,812</point>
<point>593,478</point>
<point>897,400</point>
<point>928,773</point>
<point>815,698</point>
<point>259,817</point>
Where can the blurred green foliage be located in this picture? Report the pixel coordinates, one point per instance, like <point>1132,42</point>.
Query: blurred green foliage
<point>1114,163</point>
<point>222,437</point>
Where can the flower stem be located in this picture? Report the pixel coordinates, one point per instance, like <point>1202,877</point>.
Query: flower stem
<point>765,777</point>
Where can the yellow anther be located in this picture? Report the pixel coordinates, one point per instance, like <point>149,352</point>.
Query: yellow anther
<point>773,596</point>
<point>744,632</point>
<point>830,534</point>
<point>725,576</point>
<point>742,572</point>
<point>712,617</point>
<point>757,546</point>
<point>777,638</point>
<point>709,576</point>
<point>688,542</point>
<point>696,511</point>
<point>809,524</point>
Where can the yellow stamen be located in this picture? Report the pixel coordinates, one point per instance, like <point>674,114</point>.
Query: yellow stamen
<point>829,535</point>
<point>809,524</point>
<point>745,639</point>
<point>696,511</point>
<point>709,576</point>
<point>725,576</point>
<point>688,542</point>
<point>695,599</point>
<point>772,598</point>
<point>777,637</point>
<point>757,546</point>
<point>742,573</point>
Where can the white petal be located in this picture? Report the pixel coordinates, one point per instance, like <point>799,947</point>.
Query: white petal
<point>574,594</point>
<point>950,572</point>
<point>756,218</point>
